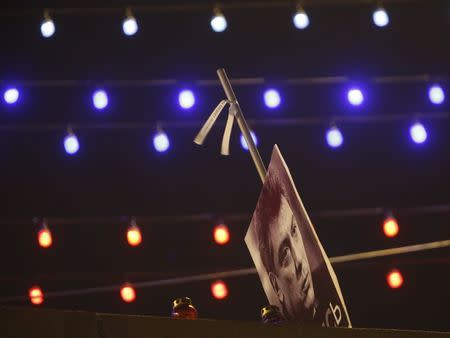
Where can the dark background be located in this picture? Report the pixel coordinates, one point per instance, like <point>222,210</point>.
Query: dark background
<point>117,173</point>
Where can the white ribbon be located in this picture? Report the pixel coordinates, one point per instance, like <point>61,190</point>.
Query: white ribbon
<point>225,149</point>
<point>232,111</point>
<point>200,138</point>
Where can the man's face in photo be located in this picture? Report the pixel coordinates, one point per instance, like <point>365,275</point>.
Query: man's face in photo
<point>291,279</point>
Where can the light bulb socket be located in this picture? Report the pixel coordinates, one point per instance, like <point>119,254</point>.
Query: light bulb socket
<point>133,222</point>
<point>47,16</point>
<point>128,13</point>
<point>299,8</point>
<point>40,222</point>
<point>159,128</point>
<point>218,221</point>
<point>217,11</point>
<point>416,119</point>
<point>380,4</point>
<point>332,123</point>
<point>388,214</point>
<point>43,225</point>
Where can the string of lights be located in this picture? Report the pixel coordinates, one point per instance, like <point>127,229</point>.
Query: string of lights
<point>130,22</point>
<point>230,217</point>
<point>221,232</point>
<point>262,122</point>
<point>221,236</point>
<point>219,288</point>
<point>161,142</point>
<point>271,96</point>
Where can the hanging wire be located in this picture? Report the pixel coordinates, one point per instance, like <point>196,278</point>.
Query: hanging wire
<point>229,217</point>
<point>263,122</point>
<point>248,81</point>
<point>238,272</point>
<point>193,7</point>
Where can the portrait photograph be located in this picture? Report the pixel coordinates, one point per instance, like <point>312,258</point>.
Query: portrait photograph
<point>293,267</point>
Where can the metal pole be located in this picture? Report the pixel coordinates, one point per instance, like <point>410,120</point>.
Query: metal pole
<point>242,124</point>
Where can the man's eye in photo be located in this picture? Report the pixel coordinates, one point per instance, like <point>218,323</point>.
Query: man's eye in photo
<point>294,229</point>
<point>286,256</point>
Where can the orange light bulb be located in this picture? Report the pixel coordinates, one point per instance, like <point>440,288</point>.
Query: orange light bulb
<point>36,295</point>
<point>390,227</point>
<point>128,293</point>
<point>45,238</point>
<point>219,290</point>
<point>134,236</point>
<point>395,279</point>
<point>221,234</point>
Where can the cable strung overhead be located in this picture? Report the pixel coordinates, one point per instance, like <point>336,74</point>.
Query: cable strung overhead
<point>271,96</point>
<point>36,295</point>
<point>298,10</point>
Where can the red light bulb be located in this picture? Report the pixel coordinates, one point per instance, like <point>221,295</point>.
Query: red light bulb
<point>128,293</point>
<point>219,290</point>
<point>134,236</point>
<point>394,279</point>
<point>390,227</point>
<point>36,295</point>
<point>45,238</point>
<point>221,234</point>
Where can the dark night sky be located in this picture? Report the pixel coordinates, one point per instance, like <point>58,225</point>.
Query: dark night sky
<point>117,173</point>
